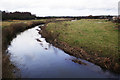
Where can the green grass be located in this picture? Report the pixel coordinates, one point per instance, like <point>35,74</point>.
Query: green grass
<point>9,22</point>
<point>93,35</point>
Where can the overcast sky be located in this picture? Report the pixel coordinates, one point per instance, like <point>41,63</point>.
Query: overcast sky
<point>62,7</point>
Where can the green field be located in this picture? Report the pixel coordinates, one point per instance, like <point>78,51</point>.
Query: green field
<point>93,35</point>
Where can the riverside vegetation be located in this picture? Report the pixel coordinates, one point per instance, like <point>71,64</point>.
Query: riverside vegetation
<point>95,40</point>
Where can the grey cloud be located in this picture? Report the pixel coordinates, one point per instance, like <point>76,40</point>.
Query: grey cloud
<point>62,7</point>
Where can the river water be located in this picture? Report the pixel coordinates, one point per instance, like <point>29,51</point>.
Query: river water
<point>36,58</point>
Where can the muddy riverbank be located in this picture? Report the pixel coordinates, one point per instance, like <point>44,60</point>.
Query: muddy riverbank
<point>105,62</point>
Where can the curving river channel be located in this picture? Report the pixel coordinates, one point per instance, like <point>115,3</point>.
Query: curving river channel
<point>36,58</point>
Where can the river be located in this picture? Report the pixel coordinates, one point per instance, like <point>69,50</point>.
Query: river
<point>36,58</point>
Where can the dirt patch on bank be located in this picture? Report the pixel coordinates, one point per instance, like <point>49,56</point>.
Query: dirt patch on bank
<point>105,62</point>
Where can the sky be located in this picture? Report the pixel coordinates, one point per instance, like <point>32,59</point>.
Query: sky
<point>62,7</point>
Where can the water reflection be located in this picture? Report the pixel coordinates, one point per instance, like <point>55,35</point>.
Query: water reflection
<point>38,59</point>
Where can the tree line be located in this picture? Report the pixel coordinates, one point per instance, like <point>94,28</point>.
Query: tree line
<point>17,15</point>
<point>28,16</point>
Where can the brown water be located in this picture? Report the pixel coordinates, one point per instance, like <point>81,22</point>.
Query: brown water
<point>36,58</point>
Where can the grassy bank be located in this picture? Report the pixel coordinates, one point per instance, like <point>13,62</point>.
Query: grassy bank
<point>96,37</point>
<point>9,31</point>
